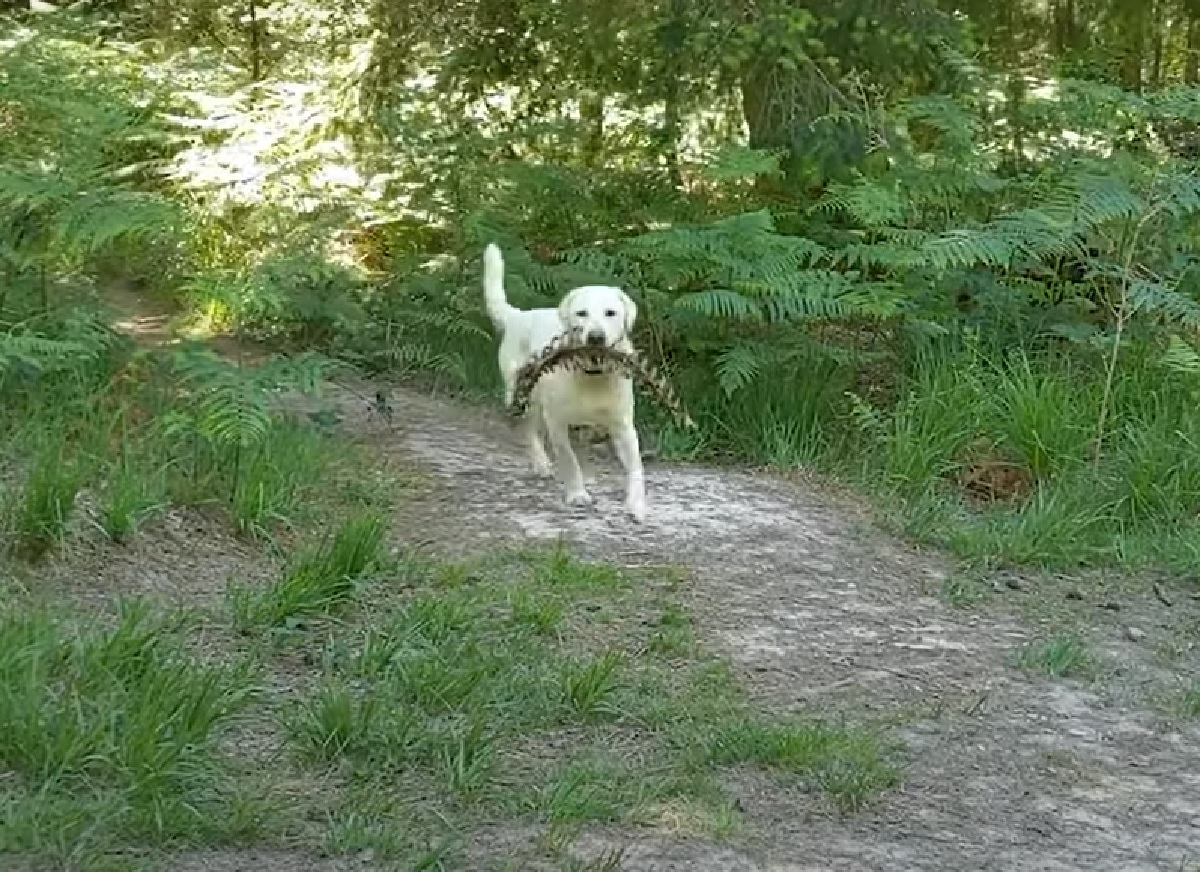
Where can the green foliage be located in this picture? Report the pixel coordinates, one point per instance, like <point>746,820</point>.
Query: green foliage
<point>848,765</point>
<point>1190,703</point>
<point>47,503</point>
<point>890,201</point>
<point>317,582</point>
<point>118,722</point>
<point>76,184</point>
<point>451,682</point>
<point>589,687</point>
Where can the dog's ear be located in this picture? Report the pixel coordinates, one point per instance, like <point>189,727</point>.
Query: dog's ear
<point>631,311</point>
<point>566,305</point>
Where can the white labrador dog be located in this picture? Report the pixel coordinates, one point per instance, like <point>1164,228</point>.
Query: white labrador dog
<point>604,316</point>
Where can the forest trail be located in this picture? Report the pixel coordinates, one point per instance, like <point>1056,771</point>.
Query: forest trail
<point>823,615</point>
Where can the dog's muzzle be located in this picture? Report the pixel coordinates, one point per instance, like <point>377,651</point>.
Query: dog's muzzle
<point>595,339</point>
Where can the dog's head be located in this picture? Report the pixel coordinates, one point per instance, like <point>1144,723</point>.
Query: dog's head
<point>602,315</point>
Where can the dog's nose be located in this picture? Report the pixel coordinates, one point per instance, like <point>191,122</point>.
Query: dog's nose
<point>596,337</point>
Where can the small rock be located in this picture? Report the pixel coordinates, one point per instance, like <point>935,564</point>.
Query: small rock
<point>1134,634</point>
<point>1074,595</point>
<point>1111,606</point>
<point>1013,583</point>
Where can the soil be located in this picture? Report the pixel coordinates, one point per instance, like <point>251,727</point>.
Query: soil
<point>822,614</point>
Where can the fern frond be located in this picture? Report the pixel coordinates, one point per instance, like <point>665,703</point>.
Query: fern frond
<point>807,294</point>
<point>965,248</point>
<point>1180,194</point>
<point>39,353</point>
<point>93,223</point>
<point>1154,298</point>
<point>720,303</point>
<point>1180,356</point>
<point>735,162</point>
<point>867,202</point>
<point>1102,199</point>
<point>738,365</point>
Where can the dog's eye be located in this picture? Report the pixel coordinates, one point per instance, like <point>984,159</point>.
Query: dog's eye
<point>611,313</point>
<point>582,313</point>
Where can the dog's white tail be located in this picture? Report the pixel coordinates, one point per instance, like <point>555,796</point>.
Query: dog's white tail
<point>498,307</point>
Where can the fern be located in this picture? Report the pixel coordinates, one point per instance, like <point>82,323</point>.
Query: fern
<point>229,405</point>
<point>866,202</point>
<point>1154,298</point>
<point>1180,356</point>
<point>37,353</point>
<point>720,303</point>
<point>223,404</point>
<point>736,162</point>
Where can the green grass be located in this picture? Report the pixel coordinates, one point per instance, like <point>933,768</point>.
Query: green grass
<point>317,582</point>
<point>47,502</point>
<point>1061,657</point>
<point>427,697</point>
<point>109,732</point>
<point>130,495</point>
<point>136,446</point>
<point>457,688</point>
<point>1190,702</point>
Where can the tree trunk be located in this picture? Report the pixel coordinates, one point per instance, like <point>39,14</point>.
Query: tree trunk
<point>1016,116</point>
<point>764,124</point>
<point>591,113</point>
<point>1191,62</point>
<point>256,61</point>
<point>1066,34</point>
<point>670,132</point>
<point>672,36</point>
<point>1158,43</point>
<point>1134,54</point>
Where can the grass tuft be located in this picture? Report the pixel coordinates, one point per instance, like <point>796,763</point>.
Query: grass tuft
<point>112,733</point>
<point>1060,657</point>
<point>847,764</point>
<point>318,581</point>
<point>46,503</point>
<point>1190,702</point>
<point>590,686</point>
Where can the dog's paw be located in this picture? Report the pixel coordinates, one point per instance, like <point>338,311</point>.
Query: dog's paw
<point>543,469</point>
<point>636,510</point>
<point>579,498</point>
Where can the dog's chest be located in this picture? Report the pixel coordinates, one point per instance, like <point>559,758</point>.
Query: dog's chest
<point>582,399</point>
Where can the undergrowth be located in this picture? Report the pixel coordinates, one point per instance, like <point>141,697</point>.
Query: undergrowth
<point>109,439</point>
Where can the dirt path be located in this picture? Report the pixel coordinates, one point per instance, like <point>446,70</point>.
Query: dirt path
<point>821,613</point>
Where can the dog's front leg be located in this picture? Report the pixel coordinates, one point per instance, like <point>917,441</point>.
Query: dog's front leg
<point>625,443</point>
<point>567,464</point>
<point>532,430</point>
